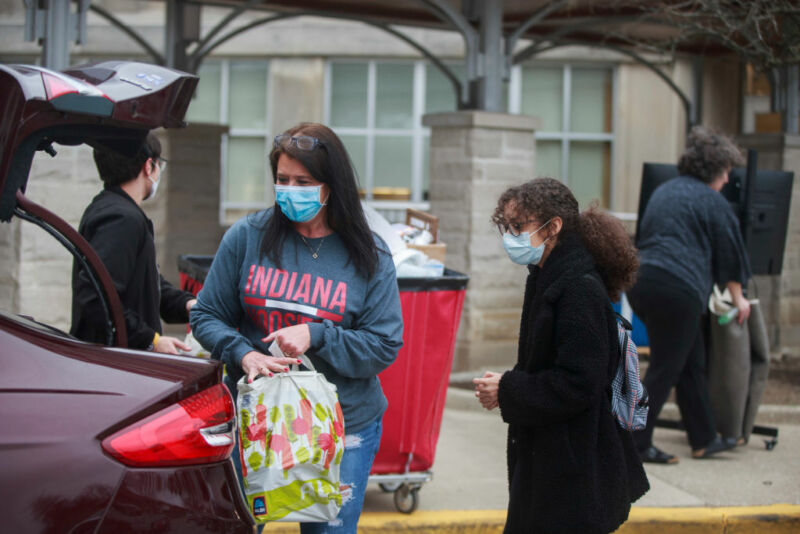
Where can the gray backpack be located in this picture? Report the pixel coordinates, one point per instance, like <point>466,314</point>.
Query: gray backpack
<point>628,395</point>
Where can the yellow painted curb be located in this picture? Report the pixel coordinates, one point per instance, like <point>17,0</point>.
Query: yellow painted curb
<point>773,519</point>
<point>445,521</point>
<point>776,518</point>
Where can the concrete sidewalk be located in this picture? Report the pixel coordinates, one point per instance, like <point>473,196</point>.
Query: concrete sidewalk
<point>750,489</point>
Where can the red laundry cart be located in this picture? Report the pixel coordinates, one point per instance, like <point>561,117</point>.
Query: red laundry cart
<point>415,385</point>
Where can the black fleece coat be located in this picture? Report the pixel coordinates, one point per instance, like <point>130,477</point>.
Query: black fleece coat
<point>122,235</point>
<point>571,467</point>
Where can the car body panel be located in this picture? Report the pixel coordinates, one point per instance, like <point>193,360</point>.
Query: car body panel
<point>59,398</point>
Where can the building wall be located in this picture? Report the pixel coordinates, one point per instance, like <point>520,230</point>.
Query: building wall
<point>64,185</point>
<point>649,126</point>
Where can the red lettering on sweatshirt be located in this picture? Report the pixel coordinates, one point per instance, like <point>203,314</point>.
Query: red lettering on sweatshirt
<point>340,297</point>
<point>283,276</point>
<point>249,279</point>
<point>304,289</point>
<point>262,280</point>
<point>321,292</point>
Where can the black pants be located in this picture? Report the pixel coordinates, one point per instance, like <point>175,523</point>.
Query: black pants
<point>677,358</point>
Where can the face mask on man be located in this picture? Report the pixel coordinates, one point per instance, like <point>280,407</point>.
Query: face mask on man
<point>154,188</point>
<point>160,166</point>
<point>300,203</point>
<point>519,247</point>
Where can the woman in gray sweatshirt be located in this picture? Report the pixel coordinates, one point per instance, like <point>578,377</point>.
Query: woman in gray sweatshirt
<point>310,275</point>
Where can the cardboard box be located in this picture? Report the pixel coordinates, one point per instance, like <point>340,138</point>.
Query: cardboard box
<point>426,221</point>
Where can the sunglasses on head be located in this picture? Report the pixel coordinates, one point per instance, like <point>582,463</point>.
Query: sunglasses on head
<point>303,142</point>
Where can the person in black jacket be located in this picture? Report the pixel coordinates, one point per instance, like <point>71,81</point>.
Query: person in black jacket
<point>689,238</point>
<point>122,235</point>
<point>571,467</point>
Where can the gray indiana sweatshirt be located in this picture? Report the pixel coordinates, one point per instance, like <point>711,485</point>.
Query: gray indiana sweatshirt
<point>355,322</point>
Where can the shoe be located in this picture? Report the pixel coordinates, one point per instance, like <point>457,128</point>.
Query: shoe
<point>654,455</point>
<point>718,444</point>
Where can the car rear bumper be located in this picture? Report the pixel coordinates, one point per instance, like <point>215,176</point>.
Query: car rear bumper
<point>197,499</point>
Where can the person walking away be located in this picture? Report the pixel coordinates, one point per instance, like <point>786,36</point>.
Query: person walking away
<point>571,467</point>
<point>122,235</point>
<point>688,240</point>
<point>310,275</point>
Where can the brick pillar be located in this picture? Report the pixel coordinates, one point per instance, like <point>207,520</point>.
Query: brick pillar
<point>9,265</point>
<point>780,295</point>
<point>64,185</point>
<point>474,157</point>
<point>186,210</point>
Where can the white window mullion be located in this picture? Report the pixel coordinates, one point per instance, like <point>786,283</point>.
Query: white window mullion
<point>269,190</point>
<point>565,124</point>
<point>612,205</point>
<point>223,160</point>
<point>515,90</point>
<point>418,138</point>
<point>327,93</point>
<point>372,85</point>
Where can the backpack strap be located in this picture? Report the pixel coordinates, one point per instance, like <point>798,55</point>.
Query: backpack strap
<point>624,322</point>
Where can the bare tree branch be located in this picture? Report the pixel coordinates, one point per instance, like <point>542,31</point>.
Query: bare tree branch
<point>765,33</point>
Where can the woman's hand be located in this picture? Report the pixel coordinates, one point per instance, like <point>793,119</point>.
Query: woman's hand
<point>292,340</point>
<point>740,301</point>
<point>255,363</point>
<point>486,389</point>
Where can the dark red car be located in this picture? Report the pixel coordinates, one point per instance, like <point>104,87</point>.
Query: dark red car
<point>102,439</point>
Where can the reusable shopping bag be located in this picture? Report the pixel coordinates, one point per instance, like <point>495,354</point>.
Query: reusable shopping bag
<point>738,365</point>
<point>291,431</point>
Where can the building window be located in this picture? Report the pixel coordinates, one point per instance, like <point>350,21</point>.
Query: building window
<point>376,107</point>
<point>236,93</point>
<point>575,141</point>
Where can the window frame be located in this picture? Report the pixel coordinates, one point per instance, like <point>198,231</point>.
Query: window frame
<point>565,137</point>
<point>226,205</point>
<point>418,133</point>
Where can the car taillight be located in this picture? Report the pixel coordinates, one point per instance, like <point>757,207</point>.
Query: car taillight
<point>196,430</point>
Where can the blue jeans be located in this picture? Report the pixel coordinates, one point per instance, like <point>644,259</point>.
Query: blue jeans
<point>359,452</point>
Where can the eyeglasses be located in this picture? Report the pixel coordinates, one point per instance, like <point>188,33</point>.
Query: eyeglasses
<point>303,142</point>
<point>513,228</point>
<point>160,162</point>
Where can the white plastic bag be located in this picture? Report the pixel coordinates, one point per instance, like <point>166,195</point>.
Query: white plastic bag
<point>292,440</point>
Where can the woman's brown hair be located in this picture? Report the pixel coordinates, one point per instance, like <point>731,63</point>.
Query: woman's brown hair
<point>708,154</point>
<point>603,234</point>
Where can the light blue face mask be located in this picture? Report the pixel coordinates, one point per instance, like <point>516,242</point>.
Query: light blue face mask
<point>300,203</point>
<point>520,250</point>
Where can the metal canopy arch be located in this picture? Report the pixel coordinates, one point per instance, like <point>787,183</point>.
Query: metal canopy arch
<point>491,29</point>
<point>196,58</point>
<point>690,108</point>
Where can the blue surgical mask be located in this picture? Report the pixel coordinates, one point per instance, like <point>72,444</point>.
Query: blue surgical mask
<point>520,250</point>
<point>299,203</point>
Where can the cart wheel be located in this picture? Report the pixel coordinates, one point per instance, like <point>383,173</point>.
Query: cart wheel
<point>388,487</point>
<point>405,499</point>
<point>770,443</point>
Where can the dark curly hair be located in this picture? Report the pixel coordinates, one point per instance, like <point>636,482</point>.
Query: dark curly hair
<point>708,154</point>
<point>603,235</point>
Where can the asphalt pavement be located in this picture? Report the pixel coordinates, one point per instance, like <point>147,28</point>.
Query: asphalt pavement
<point>749,489</point>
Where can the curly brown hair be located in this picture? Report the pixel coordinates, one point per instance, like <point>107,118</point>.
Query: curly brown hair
<point>603,234</point>
<point>612,249</point>
<point>708,154</point>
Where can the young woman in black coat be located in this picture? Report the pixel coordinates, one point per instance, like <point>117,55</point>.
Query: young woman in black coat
<point>571,468</point>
